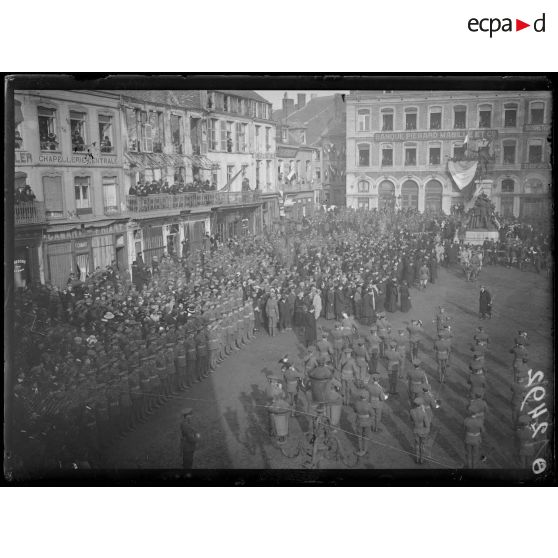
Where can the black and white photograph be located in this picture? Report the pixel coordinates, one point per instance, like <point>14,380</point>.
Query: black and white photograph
<point>351,280</point>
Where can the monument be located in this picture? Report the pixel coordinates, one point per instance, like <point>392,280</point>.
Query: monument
<point>481,222</point>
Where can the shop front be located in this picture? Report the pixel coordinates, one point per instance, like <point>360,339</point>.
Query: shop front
<point>83,252</point>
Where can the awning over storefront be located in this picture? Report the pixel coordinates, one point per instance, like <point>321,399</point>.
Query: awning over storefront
<point>204,163</point>
<point>144,161</point>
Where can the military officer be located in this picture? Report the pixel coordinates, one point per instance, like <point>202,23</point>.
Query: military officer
<point>473,438</point>
<point>377,399</point>
<point>421,427</point>
<point>417,377</point>
<point>189,438</point>
<point>441,346</point>
<point>414,330</point>
<point>349,369</point>
<point>324,347</point>
<point>373,341</point>
<point>392,357</point>
<point>361,358</point>
<point>364,411</point>
<point>402,349</point>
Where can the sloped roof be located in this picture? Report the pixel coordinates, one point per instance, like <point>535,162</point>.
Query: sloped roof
<point>301,116</point>
<point>181,98</point>
<point>246,93</point>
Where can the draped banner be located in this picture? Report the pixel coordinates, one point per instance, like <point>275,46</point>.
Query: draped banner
<point>462,172</point>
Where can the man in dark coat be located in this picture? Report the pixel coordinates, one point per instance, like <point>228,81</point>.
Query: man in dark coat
<point>391,296</point>
<point>485,304</point>
<point>188,439</point>
<point>405,297</point>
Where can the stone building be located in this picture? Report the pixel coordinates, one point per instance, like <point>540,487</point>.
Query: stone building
<point>399,144</point>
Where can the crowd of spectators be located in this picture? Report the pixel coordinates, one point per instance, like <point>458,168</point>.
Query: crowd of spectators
<point>77,376</point>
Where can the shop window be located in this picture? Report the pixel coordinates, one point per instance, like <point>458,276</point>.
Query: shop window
<point>509,153</point>
<point>460,118</point>
<point>387,156</point>
<point>106,133</point>
<point>82,194</point>
<point>410,156</point>
<point>78,129</point>
<point>535,153</point>
<point>363,120</point>
<point>363,155</point>
<point>364,204</point>
<point>510,115</point>
<point>536,113</point>
<point>47,129</point>
<point>363,187</point>
<point>434,155</point>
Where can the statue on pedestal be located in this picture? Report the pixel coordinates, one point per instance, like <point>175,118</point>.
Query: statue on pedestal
<point>481,215</point>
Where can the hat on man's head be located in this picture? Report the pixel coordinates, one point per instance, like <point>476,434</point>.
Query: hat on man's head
<point>187,412</point>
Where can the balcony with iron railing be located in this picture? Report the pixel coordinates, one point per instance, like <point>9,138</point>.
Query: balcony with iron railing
<point>29,213</point>
<point>188,200</point>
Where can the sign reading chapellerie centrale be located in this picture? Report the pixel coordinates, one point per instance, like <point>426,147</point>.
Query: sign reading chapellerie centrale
<point>79,159</point>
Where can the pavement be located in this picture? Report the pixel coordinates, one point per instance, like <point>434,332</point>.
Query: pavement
<point>230,406</point>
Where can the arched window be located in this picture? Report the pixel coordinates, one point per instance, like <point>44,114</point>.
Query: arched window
<point>386,193</point>
<point>508,186</point>
<point>363,120</point>
<point>433,196</point>
<point>409,195</point>
<point>363,187</point>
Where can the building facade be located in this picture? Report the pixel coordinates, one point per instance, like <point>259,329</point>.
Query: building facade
<point>240,136</point>
<point>68,149</point>
<point>399,145</point>
<point>83,154</point>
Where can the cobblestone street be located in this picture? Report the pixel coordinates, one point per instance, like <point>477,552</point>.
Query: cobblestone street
<point>230,408</point>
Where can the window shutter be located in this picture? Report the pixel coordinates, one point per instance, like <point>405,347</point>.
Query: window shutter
<point>147,139</point>
<point>52,190</point>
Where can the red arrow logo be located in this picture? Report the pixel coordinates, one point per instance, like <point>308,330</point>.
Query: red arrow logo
<point>519,25</point>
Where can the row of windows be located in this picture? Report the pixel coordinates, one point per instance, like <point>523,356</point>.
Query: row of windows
<point>49,136</point>
<point>387,187</point>
<point>53,194</point>
<point>509,153</point>
<point>484,117</point>
<point>232,170</point>
<point>238,105</point>
<point>232,136</point>
<point>146,131</point>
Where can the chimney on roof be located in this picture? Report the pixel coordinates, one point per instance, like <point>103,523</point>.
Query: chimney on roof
<point>288,106</point>
<point>338,104</point>
<point>301,100</point>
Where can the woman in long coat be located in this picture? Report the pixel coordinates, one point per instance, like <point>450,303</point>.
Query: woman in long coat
<point>299,320</point>
<point>310,330</point>
<point>368,307</point>
<point>485,304</point>
<point>404,297</point>
<point>391,296</point>
<point>330,303</point>
<point>272,312</point>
